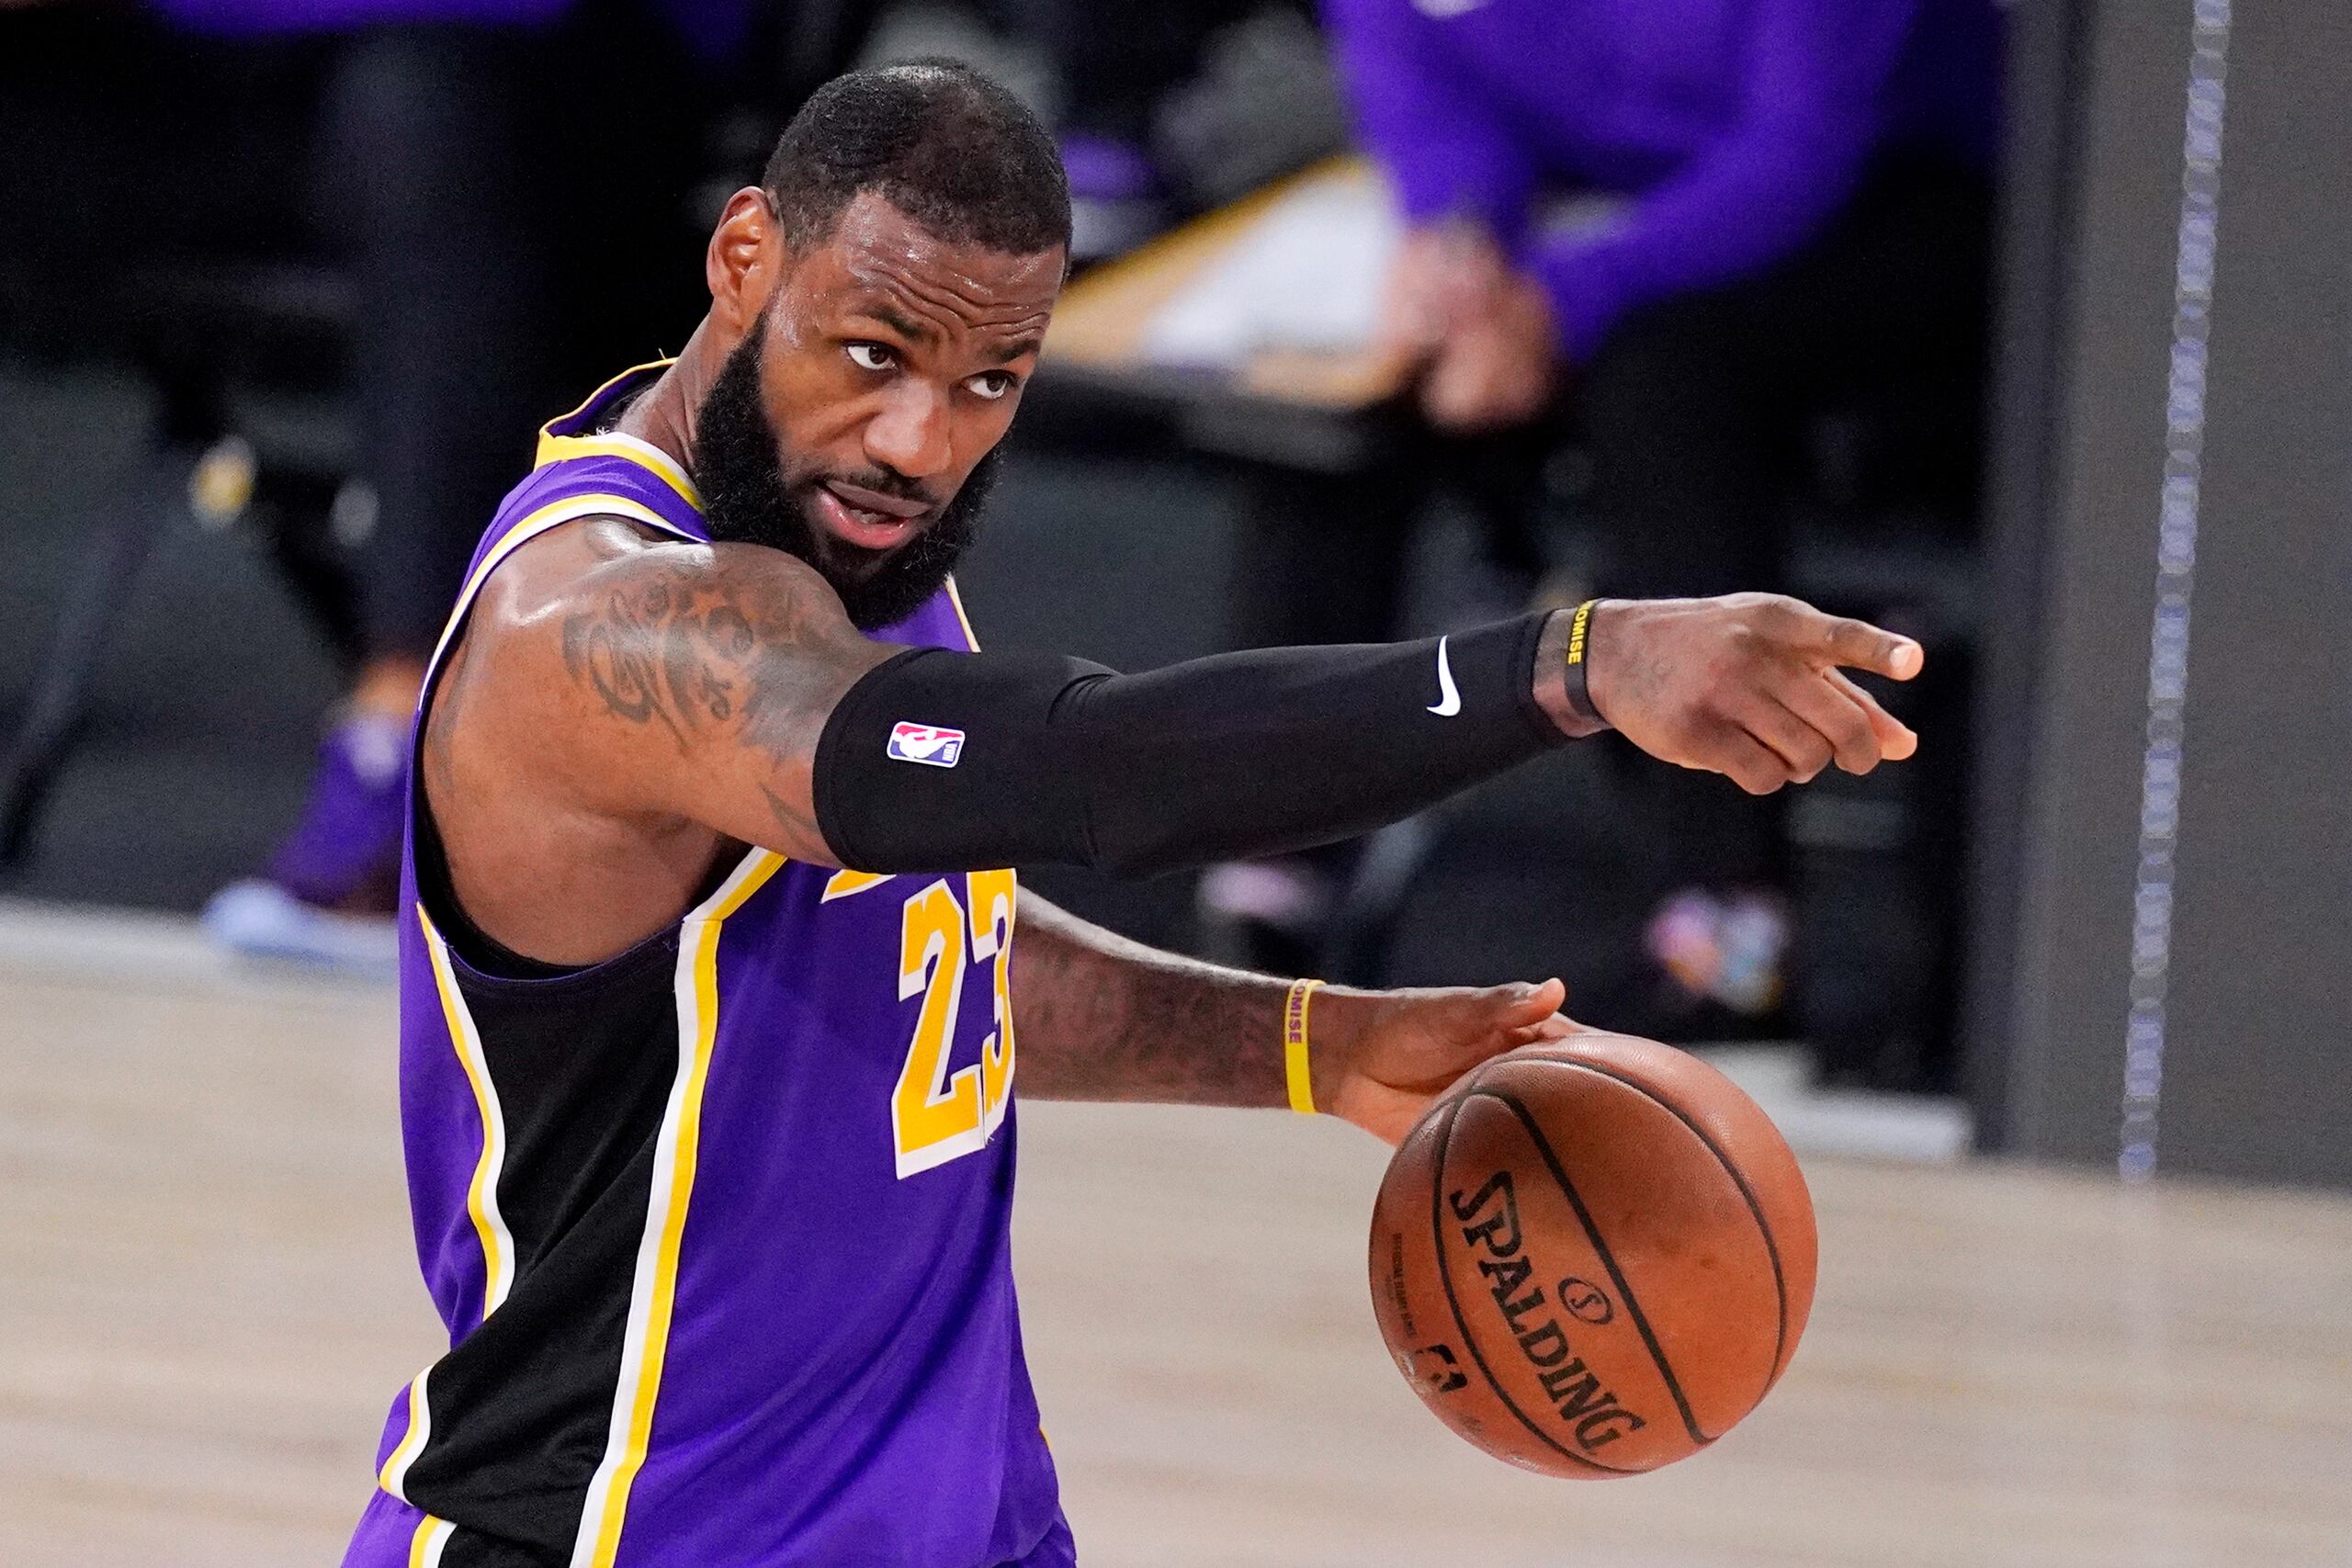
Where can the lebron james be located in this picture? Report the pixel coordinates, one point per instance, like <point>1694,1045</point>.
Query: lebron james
<point>716,988</point>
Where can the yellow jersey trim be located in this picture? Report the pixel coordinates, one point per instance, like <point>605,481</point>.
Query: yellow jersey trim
<point>432,1537</point>
<point>555,447</point>
<point>592,399</point>
<point>971,637</point>
<point>645,1347</point>
<point>482,1194</point>
<point>394,1477</point>
<point>612,444</point>
<point>842,883</point>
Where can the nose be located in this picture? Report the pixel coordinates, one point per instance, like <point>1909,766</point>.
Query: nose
<point>910,433</point>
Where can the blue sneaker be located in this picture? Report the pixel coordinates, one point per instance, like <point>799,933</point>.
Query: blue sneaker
<point>314,904</point>
<point>256,918</point>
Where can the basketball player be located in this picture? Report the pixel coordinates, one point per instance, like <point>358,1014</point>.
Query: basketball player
<point>712,997</point>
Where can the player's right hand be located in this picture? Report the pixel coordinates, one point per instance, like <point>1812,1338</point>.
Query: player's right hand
<point>1749,686</point>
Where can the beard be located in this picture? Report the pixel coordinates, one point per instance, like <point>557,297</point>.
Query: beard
<point>750,496</point>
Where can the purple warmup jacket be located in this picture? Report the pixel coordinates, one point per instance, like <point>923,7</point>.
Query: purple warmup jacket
<point>719,1228</point>
<point>712,28</point>
<point>1737,127</point>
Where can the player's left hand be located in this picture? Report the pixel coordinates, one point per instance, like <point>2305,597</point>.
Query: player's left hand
<point>1378,1058</point>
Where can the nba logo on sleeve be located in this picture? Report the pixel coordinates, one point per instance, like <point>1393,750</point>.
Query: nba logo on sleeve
<point>929,744</point>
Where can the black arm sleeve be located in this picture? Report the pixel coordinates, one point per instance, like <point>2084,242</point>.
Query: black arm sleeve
<point>1055,760</point>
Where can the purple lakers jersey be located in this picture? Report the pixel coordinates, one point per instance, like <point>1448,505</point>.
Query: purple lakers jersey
<point>719,1228</point>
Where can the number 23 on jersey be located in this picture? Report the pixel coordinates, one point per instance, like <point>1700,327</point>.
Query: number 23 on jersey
<point>936,1117</point>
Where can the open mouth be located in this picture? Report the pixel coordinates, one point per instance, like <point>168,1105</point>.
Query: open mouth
<point>868,519</point>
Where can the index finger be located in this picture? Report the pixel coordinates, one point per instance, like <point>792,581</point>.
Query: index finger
<point>1860,644</point>
<point>1896,739</point>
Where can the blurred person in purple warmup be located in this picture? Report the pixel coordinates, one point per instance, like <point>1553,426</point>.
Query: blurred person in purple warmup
<point>511,180</point>
<point>1679,231</point>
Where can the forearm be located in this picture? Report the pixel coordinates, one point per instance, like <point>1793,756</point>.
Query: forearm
<point>1233,757</point>
<point>1099,1017</point>
<point>727,685</point>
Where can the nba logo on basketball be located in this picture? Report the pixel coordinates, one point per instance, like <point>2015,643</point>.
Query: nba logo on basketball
<point>926,743</point>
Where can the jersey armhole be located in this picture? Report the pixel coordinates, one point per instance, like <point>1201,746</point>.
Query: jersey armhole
<point>435,885</point>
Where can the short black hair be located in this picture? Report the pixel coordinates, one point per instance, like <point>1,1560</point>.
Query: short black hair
<point>941,142</point>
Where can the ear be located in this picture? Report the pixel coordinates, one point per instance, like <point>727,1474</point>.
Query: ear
<point>745,259</point>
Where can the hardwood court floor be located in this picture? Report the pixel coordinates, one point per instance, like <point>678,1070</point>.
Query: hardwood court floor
<point>206,1299</point>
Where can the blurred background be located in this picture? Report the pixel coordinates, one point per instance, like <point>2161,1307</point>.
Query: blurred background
<point>1389,316</point>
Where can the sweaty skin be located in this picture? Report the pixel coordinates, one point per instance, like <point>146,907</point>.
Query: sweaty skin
<point>624,711</point>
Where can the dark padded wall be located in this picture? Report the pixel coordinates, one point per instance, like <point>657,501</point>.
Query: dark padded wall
<point>2258,1081</point>
<point>2258,988</point>
<point>2073,800</point>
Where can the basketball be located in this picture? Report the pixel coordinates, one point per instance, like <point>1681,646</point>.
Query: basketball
<point>1593,1257</point>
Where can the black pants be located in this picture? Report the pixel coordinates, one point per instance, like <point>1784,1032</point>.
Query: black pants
<point>515,212</point>
<point>1694,418</point>
<point>511,207</point>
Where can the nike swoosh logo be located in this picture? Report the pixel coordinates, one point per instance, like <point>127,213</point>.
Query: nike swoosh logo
<point>1448,701</point>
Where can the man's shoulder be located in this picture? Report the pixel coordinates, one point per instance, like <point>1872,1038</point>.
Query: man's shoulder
<point>603,620</point>
<point>592,559</point>
<point>585,557</point>
<point>602,579</point>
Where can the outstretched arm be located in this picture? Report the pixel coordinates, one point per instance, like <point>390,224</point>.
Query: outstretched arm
<point>724,686</point>
<point>1099,1017</point>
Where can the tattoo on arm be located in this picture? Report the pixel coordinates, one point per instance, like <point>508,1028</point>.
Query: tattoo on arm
<point>799,827</point>
<point>617,648</point>
<point>1101,1018</point>
<point>726,650</point>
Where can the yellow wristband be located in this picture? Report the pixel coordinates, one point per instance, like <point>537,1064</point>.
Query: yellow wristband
<point>1579,685</point>
<point>1302,1088</point>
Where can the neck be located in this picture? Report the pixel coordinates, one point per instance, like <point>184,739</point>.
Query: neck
<point>664,413</point>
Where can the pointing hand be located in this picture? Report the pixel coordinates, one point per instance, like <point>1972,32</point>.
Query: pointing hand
<point>1751,685</point>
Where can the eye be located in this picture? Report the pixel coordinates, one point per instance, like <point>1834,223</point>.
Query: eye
<point>871,356</point>
<point>990,385</point>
